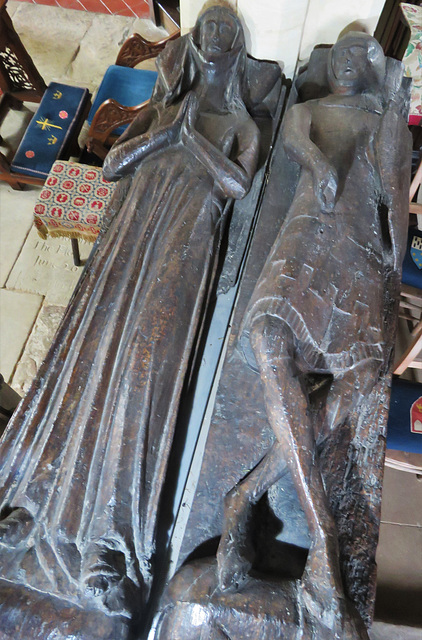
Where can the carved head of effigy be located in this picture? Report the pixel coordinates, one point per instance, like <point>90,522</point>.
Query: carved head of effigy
<point>356,64</point>
<point>218,30</point>
<point>219,53</point>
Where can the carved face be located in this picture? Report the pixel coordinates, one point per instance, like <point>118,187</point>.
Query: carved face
<point>350,65</point>
<point>217,36</point>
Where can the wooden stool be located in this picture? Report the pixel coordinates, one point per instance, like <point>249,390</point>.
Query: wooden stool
<point>72,203</point>
<point>53,131</point>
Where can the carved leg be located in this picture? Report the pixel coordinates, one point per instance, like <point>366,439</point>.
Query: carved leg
<point>287,410</point>
<point>347,391</point>
<point>235,554</point>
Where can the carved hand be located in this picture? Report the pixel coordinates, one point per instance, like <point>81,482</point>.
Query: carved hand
<point>325,185</point>
<point>190,114</point>
<point>172,124</point>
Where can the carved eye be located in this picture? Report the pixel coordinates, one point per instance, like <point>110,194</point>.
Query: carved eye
<point>209,26</point>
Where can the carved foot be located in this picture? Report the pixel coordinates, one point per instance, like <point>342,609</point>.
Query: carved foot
<point>16,527</point>
<point>235,553</point>
<point>233,568</point>
<point>105,579</point>
<point>103,569</point>
<point>329,611</point>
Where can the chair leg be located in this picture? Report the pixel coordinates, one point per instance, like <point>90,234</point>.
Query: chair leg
<point>75,251</point>
<point>14,184</point>
<point>415,182</point>
<point>409,356</point>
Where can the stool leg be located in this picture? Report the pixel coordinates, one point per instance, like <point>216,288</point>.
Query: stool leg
<point>75,251</point>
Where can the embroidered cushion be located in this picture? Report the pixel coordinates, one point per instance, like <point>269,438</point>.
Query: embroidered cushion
<point>404,431</point>
<point>412,60</point>
<point>50,130</point>
<point>73,201</point>
<point>412,263</point>
<point>129,87</point>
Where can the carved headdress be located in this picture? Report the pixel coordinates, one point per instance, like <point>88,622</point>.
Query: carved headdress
<point>249,82</point>
<point>376,68</point>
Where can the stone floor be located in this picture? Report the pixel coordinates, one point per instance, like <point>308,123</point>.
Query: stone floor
<point>37,278</point>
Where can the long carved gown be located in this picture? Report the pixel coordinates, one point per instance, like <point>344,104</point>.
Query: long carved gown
<point>93,439</point>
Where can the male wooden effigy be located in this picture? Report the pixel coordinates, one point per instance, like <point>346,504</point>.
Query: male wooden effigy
<point>84,459</point>
<point>282,534</point>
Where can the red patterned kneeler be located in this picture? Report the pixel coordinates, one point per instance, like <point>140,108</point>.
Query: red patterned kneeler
<point>73,201</point>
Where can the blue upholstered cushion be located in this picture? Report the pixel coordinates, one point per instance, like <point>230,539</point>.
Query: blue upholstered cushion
<point>127,86</point>
<point>50,129</point>
<point>405,418</point>
<point>412,263</point>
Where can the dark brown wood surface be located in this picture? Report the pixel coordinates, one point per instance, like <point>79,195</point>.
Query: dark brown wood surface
<point>256,436</point>
<point>83,462</point>
<point>18,74</point>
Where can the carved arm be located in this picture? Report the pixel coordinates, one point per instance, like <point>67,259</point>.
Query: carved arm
<point>136,143</point>
<point>233,177</point>
<point>394,170</point>
<point>299,146</point>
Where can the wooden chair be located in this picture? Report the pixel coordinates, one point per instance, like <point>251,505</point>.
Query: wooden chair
<point>411,310</point>
<point>411,295</point>
<point>136,49</point>
<point>113,113</point>
<point>19,79</point>
<point>53,131</point>
<point>109,116</point>
<point>73,204</point>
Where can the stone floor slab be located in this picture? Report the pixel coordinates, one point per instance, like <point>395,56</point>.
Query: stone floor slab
<point>402,498</point>
<point>17,316</point>
<point>99,48</point>
<point>147,29</point>
<point>399,584</point>
<point>399,556</point>
<point>16,218</point>
<point>382,631</point>
<point>45,267</point>
<point>37,346</point>
<point>51,35</point>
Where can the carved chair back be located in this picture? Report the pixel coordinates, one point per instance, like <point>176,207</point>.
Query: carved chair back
<point>112,114</point>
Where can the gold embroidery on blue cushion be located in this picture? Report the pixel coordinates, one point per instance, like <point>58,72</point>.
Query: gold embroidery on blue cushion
<point>45,124</point>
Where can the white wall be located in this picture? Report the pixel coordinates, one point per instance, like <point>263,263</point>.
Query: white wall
<point>284,30</point>
<point>327,18</point>
<point>273,29</point>
<point>190,10</point>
